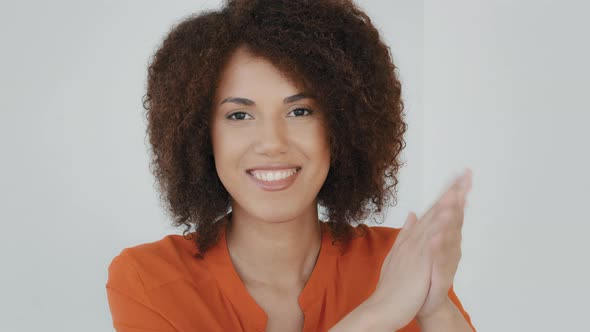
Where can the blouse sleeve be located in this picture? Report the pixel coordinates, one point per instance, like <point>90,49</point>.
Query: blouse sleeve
<point>129,304</point>
<point>459,306</point>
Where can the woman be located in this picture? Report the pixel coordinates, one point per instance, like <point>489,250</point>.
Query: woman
<point>256,114</point>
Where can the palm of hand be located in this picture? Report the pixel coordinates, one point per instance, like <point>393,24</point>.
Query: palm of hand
<point>418,271</point>
<point>445,243</point>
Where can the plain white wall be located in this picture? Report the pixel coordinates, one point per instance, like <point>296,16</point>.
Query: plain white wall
<point>496,86</point>
<point>506,87</point>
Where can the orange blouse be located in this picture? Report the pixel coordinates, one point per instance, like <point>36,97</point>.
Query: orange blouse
<point>160,286</point>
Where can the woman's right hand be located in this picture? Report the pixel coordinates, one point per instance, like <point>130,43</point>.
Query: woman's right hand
<point>406,271</point>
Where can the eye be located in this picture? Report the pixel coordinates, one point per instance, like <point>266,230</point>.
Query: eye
<point>300,110</point>
<point>240,116</point>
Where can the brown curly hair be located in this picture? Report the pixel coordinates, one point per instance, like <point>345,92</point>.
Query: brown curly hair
<point>330,47</point>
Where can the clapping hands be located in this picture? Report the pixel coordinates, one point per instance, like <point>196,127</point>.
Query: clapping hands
<point>418,271</point>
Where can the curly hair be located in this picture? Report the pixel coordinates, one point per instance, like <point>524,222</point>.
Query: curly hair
<point>330,47</point>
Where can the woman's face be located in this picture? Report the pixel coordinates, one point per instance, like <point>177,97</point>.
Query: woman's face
<point>260,118</point>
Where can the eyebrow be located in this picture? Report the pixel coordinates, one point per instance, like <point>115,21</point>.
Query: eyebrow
<point>248,102</point>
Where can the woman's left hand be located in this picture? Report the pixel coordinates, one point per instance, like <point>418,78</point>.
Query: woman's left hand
<point>446,221</point>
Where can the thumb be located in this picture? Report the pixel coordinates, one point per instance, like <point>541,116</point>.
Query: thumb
<point>403,233</point>
<point>411,220</point>
<point>408,225</point>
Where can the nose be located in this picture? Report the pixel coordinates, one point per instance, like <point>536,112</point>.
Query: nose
<point>271,137</point>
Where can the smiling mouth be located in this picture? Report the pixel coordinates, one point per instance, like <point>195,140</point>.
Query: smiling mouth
<point>275,185</point>
<point>264,178</point>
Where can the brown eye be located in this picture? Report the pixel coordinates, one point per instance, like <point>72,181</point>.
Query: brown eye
<point>301,111</point>
<point>239,116</point>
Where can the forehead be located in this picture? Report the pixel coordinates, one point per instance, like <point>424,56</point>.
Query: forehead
<point>246,74</point>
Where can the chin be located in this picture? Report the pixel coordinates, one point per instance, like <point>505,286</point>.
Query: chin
<point>278,215</point>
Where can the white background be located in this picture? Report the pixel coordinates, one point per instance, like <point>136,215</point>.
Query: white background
<point>497,86</point>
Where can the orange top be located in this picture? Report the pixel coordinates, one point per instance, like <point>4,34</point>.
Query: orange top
<point>160,286</point>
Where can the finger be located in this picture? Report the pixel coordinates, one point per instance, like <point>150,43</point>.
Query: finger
<point>458,190</point>
<point>403,233</point>
<point>445,242</point>
<point>401,236</point>
<point>455,193</point>
<point>411,220</point>
<point>449,220</point>
<point>465,184</point>
<point>447,253</point>
<point>453,198</point>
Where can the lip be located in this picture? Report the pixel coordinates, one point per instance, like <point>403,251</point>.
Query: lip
<point>275,185</point>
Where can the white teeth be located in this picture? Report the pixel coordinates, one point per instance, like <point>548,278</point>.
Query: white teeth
<point>272,176</point>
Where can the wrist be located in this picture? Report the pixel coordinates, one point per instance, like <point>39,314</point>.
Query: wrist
<point>380,319</point>
<point>362,318</point>
<point>444,313</point>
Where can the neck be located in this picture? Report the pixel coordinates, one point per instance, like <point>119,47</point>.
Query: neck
<point>278,254</point>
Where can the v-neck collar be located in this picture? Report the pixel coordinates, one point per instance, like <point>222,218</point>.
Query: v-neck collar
<point>219,261</point>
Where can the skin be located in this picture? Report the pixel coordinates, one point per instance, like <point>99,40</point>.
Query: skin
<point>418,272</point>
<point>275,237</point>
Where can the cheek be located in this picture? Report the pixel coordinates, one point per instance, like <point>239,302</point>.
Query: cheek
<point>226,150</point>
<point>320,142</point>
<point>315,144</point>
